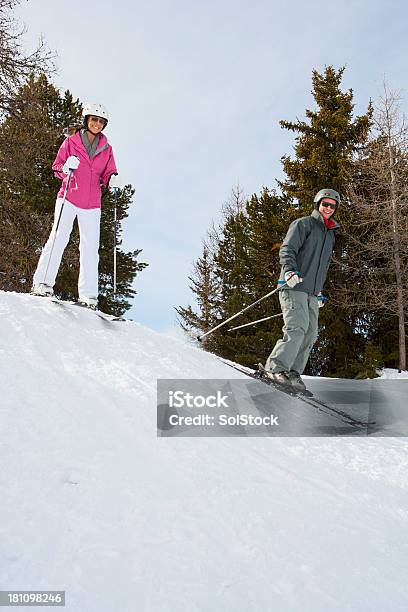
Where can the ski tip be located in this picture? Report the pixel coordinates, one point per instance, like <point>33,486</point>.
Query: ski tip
<point>306,393</point>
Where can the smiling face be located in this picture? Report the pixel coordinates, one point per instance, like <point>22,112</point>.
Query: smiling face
<point>95,124</point>
<point>327,207</point>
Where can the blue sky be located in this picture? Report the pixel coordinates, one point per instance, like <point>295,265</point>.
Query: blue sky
<point>195,92</point>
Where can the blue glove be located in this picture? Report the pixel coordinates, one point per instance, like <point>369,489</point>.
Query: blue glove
<point>321,300</point>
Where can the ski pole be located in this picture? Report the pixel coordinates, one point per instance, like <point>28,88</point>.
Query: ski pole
<point>58,222</point>
<point>254,322</point>
<point>199,338</point>
<point>116,190</point>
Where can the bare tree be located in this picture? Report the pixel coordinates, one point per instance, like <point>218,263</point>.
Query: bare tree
<point>16,65</point>
<point>231,207</point>
<point>377,226</point>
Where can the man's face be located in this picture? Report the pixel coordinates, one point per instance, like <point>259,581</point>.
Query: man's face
<point>327,207</point>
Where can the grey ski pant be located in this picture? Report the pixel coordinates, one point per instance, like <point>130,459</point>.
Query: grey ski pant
<point>300,315</point>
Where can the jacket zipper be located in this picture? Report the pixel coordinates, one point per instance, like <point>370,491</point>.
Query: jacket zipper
<point>320,258</point>
<point>90,166</point>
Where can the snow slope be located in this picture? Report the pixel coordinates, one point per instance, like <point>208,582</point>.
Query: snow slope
<point>94,503</point>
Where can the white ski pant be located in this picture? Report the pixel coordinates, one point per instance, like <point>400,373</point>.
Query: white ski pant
<point>89,229</point>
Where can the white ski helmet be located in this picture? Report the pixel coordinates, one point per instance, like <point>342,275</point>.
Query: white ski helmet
<point>94,109</point>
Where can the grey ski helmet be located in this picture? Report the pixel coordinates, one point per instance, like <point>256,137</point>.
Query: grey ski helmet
<point>326,193</point>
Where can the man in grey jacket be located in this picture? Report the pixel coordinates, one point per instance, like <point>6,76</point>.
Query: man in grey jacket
<point>305,257</point>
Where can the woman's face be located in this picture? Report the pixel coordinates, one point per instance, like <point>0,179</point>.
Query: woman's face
<point>95,124</point>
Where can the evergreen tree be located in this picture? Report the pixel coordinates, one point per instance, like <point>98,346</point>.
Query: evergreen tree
<point>204,287</point>
<point>246,249</point>
<point>326,144</point>
<point>127,262</point>
<point>268,217</point>
<point>30,136</point>
<point>211,283</point>
<point>325,151</point>
<point>244,267</point>
<point>231,269</point>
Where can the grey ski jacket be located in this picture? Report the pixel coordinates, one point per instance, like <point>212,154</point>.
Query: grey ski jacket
<point>307,249</point>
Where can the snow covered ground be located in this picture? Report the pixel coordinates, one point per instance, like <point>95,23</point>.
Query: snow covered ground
<point>94,503</point>
<point>391,374</point>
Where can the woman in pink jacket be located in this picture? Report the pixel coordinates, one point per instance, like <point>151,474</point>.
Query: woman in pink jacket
<point>87,158</point>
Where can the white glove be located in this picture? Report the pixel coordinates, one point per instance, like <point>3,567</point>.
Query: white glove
<point>115,182</point>
<point>292,279</point>
<point>72,163</point>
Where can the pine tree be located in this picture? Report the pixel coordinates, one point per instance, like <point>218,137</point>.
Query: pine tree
<point>266,218</point>
<point>246,251</point>
<point>244,267</point>
<point>210,283</point>
<point>231,270</point>
<point>325,151</point>
<point>127,262</point>
<point>30,136</point>
<point>204,287</point>
<point>326,144</point>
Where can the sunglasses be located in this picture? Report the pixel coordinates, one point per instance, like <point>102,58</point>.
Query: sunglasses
<point>328,205</point>
<point>97,119</point>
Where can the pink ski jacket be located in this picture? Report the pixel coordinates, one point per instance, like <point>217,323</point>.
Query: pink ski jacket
<point>85,186</point>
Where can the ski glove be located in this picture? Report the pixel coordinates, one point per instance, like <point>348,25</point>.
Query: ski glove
<point>321,300</point>
<point>115,182</point>
<point>292,279</point>
<point>72,163</point>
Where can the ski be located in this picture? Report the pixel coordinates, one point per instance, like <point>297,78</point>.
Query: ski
<point>308,398</point>
<point>308,394</point>
<point>98,313</point>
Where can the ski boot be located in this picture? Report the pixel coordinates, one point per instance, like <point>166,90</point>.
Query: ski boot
<point>296,381</point>
<point>88,302</point>
<point>279,378</point>
<point>43,290</point>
